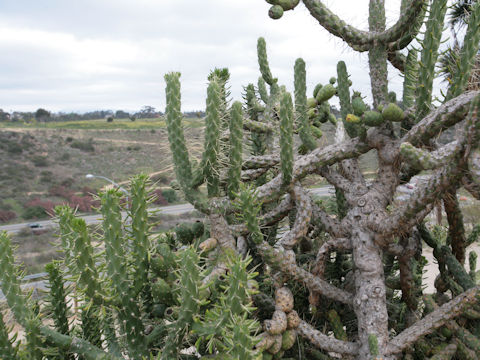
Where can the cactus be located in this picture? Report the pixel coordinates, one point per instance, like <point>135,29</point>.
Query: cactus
<point>357,273</point>
<point>366,222</point>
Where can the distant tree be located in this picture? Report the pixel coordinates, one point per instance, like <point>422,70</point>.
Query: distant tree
<point>109,118</point>
<point>147,111</point>
<point>4,116</point>
<point>42,115</point>
<point>133,117</point>
<point>120,114</point>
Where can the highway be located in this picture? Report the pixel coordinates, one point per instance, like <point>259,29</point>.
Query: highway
<point>95,219</point>
<point>167,210</point>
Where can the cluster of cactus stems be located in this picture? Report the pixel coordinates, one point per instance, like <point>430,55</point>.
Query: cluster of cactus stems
<point>137,294</point>
<point>344,284</point>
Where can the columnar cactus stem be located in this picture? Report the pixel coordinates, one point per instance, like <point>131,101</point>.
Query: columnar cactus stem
<point>183,168</point>
<point>140,229</point>
<point>7,351</point>
<point>21,307</point>
<point>212,134</point>
<point>57,301</point>
<point>286,138</point>
<point>301,106</point>
<point>236,149</point>
<point>456,230</point>
<point>469,50</point>
<point>377,56</point>
<point>429,56</point>
<point>263,62</point>
<point>410,81</point>
<point>129,313</point>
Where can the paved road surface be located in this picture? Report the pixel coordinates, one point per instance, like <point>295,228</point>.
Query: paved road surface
<point>169,210</point>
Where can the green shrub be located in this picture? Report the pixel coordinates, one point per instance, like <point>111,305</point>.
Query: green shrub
<point>14,148</point>
<point>64,157</point>
<point>40,161</point>
<point>46,177</point>
<point>34,212</point>
<point>83,145</point>
<point>170,195</point>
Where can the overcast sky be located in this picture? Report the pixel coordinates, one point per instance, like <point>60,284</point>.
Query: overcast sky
<point>67,55</point>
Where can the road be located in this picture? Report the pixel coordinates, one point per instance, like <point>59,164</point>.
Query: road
<point>95,219</point>
<point>167,210</point>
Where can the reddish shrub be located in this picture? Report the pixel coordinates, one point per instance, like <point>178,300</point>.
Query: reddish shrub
<point>158,197</point>
<point>88,191</point>
<point>7,215</point>
<point>47,205</point>
<point>61,191</point>
<point>83,203</point>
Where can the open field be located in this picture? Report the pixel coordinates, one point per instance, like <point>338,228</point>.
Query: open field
<point>39,164</point>
<point>100,124</point>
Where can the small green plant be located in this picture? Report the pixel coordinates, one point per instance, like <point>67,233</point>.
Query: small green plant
<point>83,145</point>
<point>40,161</point>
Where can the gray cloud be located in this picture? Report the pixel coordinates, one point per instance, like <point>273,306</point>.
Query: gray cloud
<point>72,55</point>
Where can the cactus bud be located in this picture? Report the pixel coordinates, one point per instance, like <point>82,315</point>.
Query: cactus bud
<point>275,12</point>
<point>293,320</point>
<point>392,112</point>
<point>277,345</point>
<point>278,324</point>
<point>332,80</point>
<point>372,118</point>
<point>208,244</point>
<point>312,103</point>
<point>288,339</point>
<point>352,119</point>
<point>316,132</point>
<point>284,299</point>
<point>317,89</point>
<point>325,93</point>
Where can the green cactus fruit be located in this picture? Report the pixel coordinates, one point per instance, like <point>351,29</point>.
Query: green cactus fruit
<point>312,103</point>
<point>184,234</point>
<point>198,229</point>
<point>372,118</point>
<point>287,4</point>
<point>311,113</point>
<point>275,12</point>
<point>157,264</point>
<point>392,97</point>
<point>352,119</point>
<point>332,119</point>
<point>267,356</point>
<point>288,339</point>
<point>316,132</point>
<point>359,107</point>
<point>158,310</point>
<point>325,93</point>
<point>161,291</point>
<point>392,112</point>
<point>316,90</point>
<point>332,80</point>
